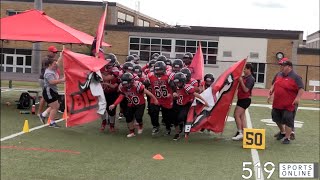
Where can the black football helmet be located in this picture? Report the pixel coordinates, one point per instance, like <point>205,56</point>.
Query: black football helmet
<point>130,58</point>
<point>127,67</point>
<point>151,63</point>
<point>187,58</point>
<point>177,65</point>
<point>186,72</point>
<point>162,58</point>
<point>112,59</point>
<point>168,62</point>
<point>127,80</point>
<point>180,79</point>
<point>154,56</point>
<point>159,68</point>
<point>136,58</point>
<point>208,79</point>
<point>117,64</point>
<point>137,69</point>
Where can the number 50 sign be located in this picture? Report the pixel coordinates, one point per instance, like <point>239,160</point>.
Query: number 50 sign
<point>254,138</point>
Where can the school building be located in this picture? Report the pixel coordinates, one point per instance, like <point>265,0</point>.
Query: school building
<point>132,32</point>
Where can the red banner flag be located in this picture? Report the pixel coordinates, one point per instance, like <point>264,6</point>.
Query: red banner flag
<point>80,70</point>
<point>197,64</point>
<point>219,97</point>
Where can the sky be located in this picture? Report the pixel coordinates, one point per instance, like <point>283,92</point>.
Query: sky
<point>301,15</point>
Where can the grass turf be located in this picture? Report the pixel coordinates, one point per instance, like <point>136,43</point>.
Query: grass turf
<point>113,156</point>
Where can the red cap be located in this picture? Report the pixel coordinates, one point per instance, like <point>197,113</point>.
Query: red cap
<point>283,60</point>
<point>52,49</point>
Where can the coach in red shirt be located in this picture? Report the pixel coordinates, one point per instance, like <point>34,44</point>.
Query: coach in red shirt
<point>288,89</point>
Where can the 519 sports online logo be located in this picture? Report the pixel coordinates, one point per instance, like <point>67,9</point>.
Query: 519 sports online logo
<point>286,170</point>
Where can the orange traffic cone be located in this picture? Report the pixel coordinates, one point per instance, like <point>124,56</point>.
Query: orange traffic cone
<point>49,121</point>
<point>158,157</point>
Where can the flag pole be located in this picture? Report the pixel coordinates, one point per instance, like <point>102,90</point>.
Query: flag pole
<point>65,93</point>
<point>234,95</point>
<point>100,32</point>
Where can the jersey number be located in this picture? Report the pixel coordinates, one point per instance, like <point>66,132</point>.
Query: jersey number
<point>133,100</point>
<point>180,99</point>
<point>161,91</point>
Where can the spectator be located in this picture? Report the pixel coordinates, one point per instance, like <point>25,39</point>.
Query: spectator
<point>287,90</point>
<point>52,51</point>
<point>50,91</point>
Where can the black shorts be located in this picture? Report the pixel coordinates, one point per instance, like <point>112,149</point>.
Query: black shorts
<point>111,98</point>
<point>244,103</point>
<point>49,95</point>
<point>182,114</point>
<point>283,116</point>
<point>135,112</point>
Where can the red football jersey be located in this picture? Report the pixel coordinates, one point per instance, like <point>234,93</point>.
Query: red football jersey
<point>193,82</point>
<point>160,87</point>
<point>141,78</point>
<point>111,71</point>
<point>168,68</point>
<point>147,70</point>
<point>185,94</point>
<point>134,95</point>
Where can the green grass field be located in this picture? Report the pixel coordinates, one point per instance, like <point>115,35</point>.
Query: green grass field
<point>113,156</point>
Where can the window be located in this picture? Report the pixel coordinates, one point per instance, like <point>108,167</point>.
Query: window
<point>140,22</point>
<point>146,46</point>
<point>227,54</point>
<point>125,19</point>
<point>11,12</point>
<point>143,23</point>
<point>254,55</point>
<point>16,60</point>
<point>146,24</point>
<point>209,49</point>
<point>259,72</point>
<point>172,48</point>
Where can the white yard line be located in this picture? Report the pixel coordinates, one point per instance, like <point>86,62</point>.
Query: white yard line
<point>254,152</point>
<point>32,129</point>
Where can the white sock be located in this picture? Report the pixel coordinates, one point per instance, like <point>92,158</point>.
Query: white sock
<point>44,113</point>
<point>240,131</point>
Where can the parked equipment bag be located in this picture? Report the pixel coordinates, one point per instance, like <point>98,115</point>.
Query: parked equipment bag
<point>24,101</point>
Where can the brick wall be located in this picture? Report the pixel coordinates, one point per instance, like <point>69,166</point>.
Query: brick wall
<point>274,46</point>
<point>312,71</point>
<point>120,44</point>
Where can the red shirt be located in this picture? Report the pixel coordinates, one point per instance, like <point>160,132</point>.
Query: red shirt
<point>160,87</point>
<point>285,90</point>
<point>185,95</point>
<point>249,83</point>
<point>134,95</point>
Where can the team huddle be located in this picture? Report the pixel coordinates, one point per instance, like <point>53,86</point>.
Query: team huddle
<point>167,84</point>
